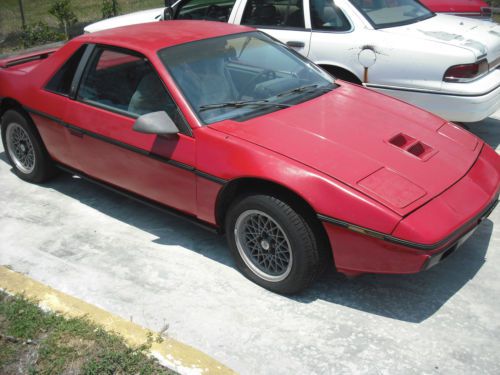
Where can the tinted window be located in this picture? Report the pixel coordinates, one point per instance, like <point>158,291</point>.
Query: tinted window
<point>126,82</point>
<point>326,16</point>
<point>283,13</point>
<point>61,82</point>
<point>213,10</point>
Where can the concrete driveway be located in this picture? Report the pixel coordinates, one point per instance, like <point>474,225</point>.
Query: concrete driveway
<point>154,269</point>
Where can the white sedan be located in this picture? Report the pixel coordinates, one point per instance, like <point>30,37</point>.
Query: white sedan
<point>446,64</point>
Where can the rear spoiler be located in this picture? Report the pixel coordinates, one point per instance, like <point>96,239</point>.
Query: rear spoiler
<point>38,54</point>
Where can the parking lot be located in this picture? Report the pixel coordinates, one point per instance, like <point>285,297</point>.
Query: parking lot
<point>154,269</point>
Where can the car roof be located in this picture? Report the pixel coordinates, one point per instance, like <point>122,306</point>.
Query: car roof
<point>154,36</point>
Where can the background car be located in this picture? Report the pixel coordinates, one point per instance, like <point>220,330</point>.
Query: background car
<point>467,8</point>
<point>225,126</point>
<point>445,64</point>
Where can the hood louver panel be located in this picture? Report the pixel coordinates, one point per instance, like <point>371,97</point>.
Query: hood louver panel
<point>412,146</point>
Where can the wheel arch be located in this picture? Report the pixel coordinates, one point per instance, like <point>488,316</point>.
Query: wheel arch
<point>9,103</point>
<point>240,187</point>
<point>341,73</point>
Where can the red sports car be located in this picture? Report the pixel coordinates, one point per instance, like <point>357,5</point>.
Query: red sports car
<point>226,126</point>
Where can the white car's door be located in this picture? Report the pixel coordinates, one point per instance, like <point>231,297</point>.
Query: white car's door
<point>338,35</point>
<point>285,20</point>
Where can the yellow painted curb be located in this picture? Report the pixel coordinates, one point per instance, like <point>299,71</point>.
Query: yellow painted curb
<point>174,354</point>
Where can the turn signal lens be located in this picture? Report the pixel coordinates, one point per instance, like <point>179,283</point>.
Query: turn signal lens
<point>466,72</point>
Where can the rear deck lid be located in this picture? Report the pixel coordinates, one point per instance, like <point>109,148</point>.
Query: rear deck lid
<point>479,36</point>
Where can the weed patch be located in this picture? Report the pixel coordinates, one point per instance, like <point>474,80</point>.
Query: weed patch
<point>36,342</point>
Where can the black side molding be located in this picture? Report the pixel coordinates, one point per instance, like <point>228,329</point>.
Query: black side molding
<point>83,132</point>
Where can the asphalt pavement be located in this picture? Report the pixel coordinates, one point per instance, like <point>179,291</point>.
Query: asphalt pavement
<point>153,269</point>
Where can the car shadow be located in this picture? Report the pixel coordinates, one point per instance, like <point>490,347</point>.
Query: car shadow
<point>488,130</point>
<point>411,298</point>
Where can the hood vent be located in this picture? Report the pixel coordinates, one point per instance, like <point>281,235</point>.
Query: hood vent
<point>412,146</point>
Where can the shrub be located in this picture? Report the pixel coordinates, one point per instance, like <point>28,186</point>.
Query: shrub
<point>110,8</point>
<point>63,11</point>
<point>39,33</point>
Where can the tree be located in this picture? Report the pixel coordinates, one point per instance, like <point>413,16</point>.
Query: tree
<point>110,8</point>
<point>63,11</point>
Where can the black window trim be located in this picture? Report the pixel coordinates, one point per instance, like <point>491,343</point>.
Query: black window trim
<point>84,65</point>
<point>75,84</point>
<point>80,64</point>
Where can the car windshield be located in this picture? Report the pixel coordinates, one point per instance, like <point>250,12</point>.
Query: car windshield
<point>390,13</point>
<point>241,76</point>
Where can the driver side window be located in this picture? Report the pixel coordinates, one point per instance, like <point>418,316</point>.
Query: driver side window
<point>212,10</point>
<point>281,13</point>
<point>125,82</point>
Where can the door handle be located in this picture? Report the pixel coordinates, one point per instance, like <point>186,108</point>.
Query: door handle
<point>295,44</point>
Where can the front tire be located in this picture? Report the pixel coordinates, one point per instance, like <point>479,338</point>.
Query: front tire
<point>272,244</point>
<point>24,148</point>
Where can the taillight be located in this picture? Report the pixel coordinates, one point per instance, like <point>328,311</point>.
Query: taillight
<point>466,72</point>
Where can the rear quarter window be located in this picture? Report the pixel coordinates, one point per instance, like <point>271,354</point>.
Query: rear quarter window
<point>61,81</point>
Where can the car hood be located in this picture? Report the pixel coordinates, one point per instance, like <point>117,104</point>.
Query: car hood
<point>481,37</point>
<point>396,154</point>
<point>150,15</point>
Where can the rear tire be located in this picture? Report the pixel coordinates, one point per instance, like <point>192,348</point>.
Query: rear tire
<point>24,148</point>
<point>272,244</point>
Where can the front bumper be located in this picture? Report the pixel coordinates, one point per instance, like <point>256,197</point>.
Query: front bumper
<point>442,255</point>
<point>426,236</point>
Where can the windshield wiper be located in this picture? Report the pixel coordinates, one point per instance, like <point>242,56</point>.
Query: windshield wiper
<point>307,88</point>
<point>244,103</point>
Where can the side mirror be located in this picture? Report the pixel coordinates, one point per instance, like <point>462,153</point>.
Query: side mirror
<point>155,123</point>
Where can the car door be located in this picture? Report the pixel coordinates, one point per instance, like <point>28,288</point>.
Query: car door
<point>337,35</point>
<point>282,19</point>
<point>117,86</point>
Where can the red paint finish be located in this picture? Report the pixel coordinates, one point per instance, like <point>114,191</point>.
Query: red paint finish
<point>231,158</point>
<point>161,182</point>
<point>454,209</point>
<point>330,134</point>
<point>455,6</point>
<point>356,254</point>
<point>448,214</point>
<point>352,155</point>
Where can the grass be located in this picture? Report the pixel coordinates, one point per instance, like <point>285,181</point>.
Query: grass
<point>35,342</point>
<point>87,11</point>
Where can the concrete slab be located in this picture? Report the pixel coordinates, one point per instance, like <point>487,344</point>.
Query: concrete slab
<point>171,353</point>
<point>143,265</point>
